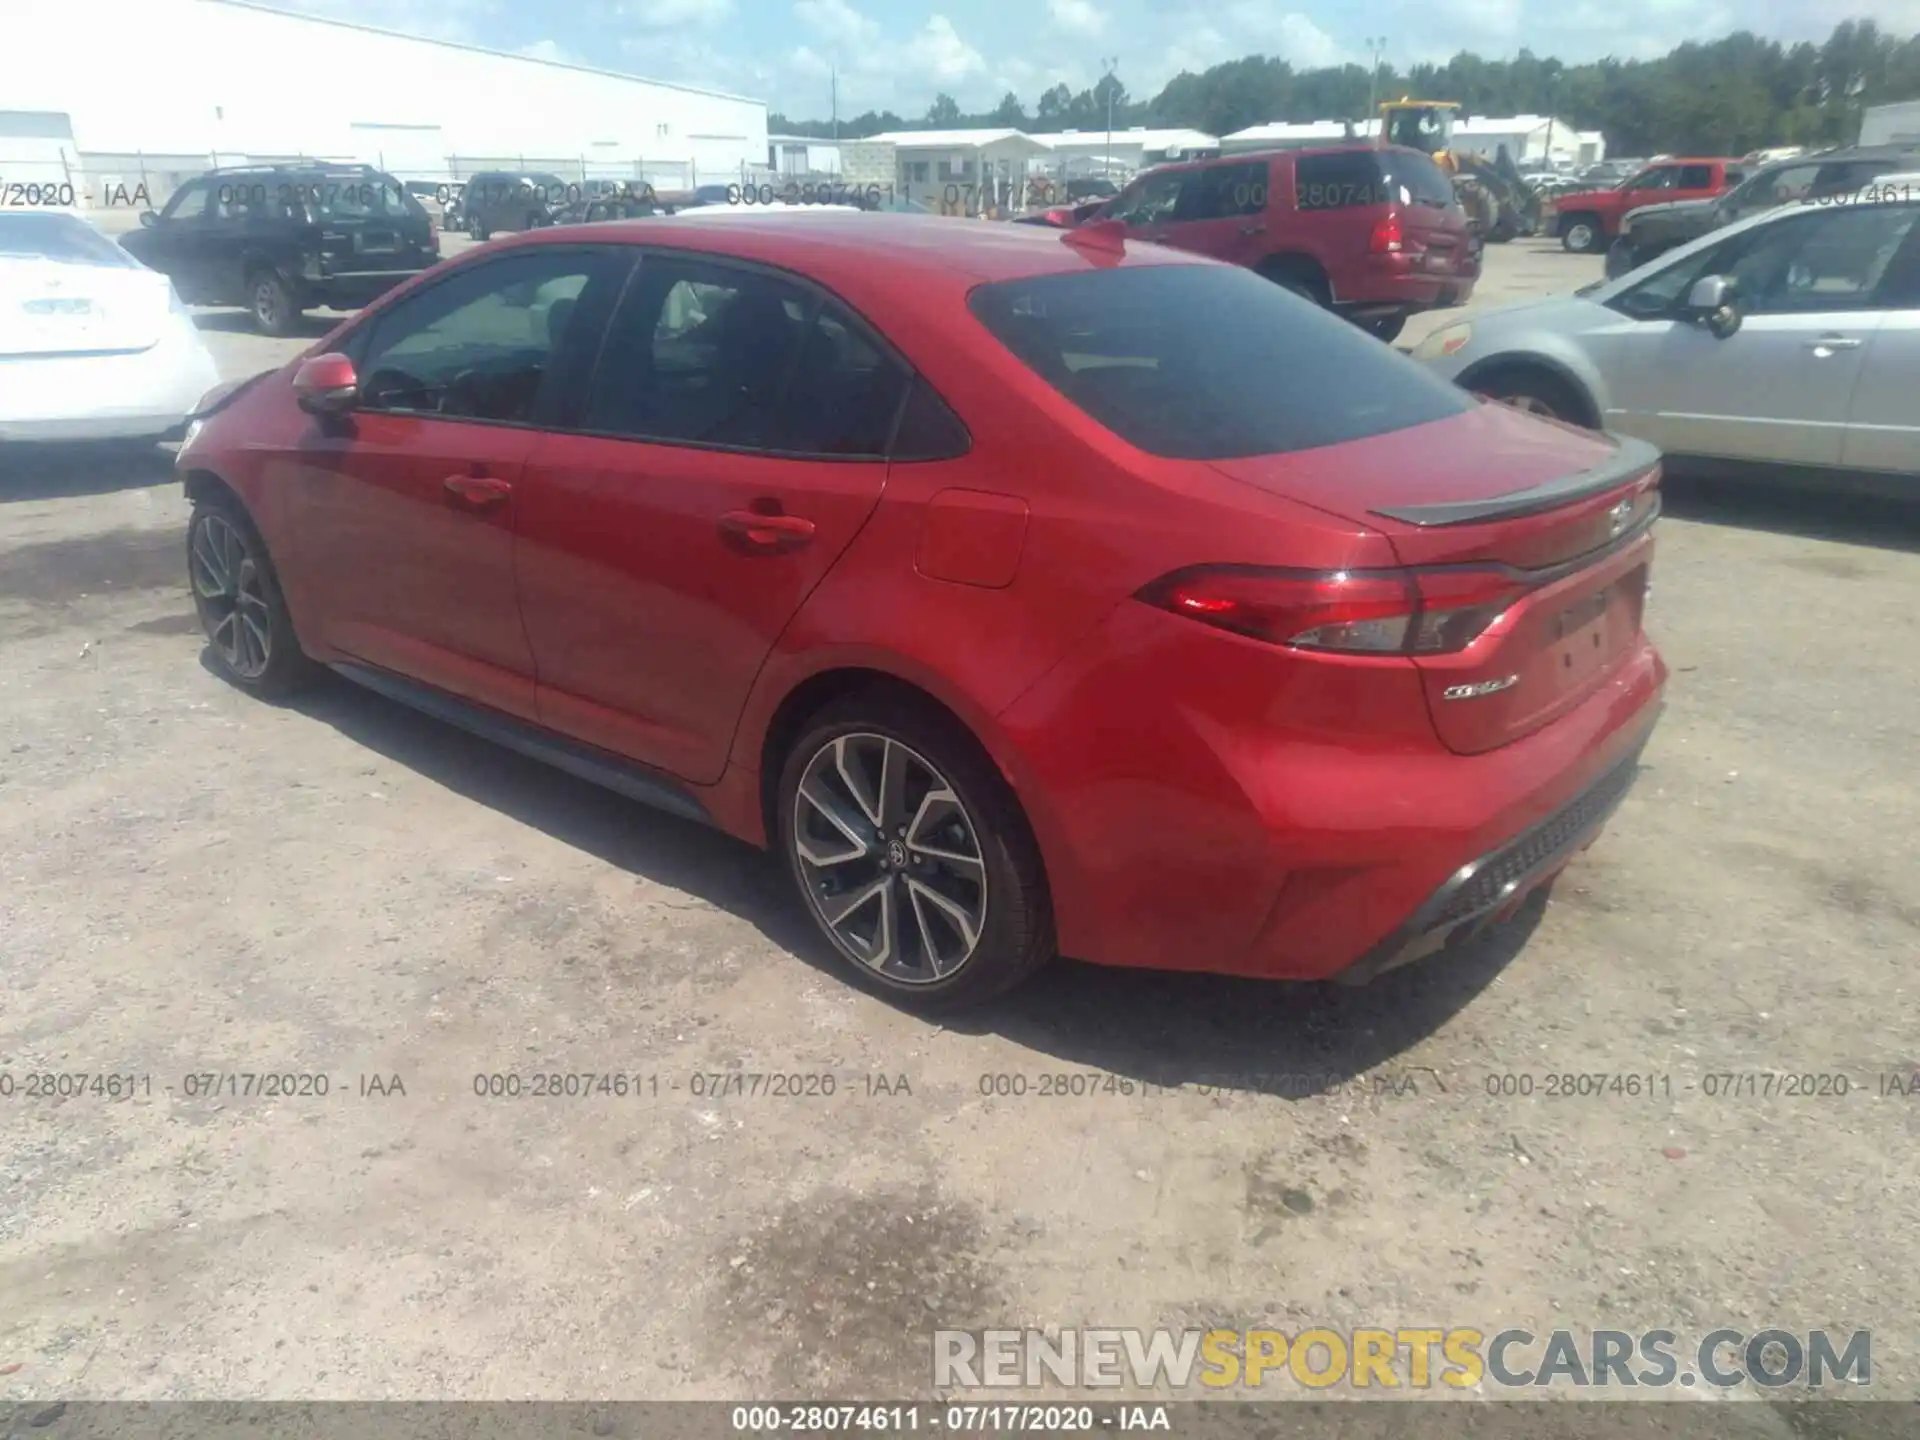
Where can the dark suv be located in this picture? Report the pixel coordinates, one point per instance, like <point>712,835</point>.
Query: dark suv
<point>1805,179</point>
<point>280,240</point>
<point>1374,232</point>
<point>495,201</point>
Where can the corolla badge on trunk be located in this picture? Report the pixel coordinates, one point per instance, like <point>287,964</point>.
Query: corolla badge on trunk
<point>1479,688</point>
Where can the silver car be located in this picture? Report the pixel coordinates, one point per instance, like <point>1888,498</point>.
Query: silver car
<point>1792,337</point>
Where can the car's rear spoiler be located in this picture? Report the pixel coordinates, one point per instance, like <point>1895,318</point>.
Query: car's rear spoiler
<point>1630,459</point>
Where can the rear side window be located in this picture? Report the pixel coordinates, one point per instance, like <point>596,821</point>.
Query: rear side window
<point>1696,177</point>
<point>59,237</point>
<point>1341,181</point>
<point>1206,362</point>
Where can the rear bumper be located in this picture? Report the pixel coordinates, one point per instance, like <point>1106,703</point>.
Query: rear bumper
<point>1403,291</point>
<point>1487,889</point>
<point>350,289</point>
<point>106,397</point>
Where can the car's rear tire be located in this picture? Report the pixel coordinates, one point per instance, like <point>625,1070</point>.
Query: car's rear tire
<point>1536,392</point>
<point>477,229</point>
<point>237,595</point>
<point>1300,280</point>
<point>1581,234</point>
<point>275,309</point>
<point>1384,327</point>
<point>911,854</point>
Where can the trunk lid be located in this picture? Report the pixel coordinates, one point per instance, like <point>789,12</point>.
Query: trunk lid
<point>51,307</point>
<point>1564,515</point>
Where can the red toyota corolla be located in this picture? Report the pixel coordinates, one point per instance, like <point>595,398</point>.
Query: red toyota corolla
<point>1027,592</point>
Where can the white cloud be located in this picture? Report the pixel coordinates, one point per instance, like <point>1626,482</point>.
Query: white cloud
<point>673,14</point>
<point>1077,17</point>
<point>939,54</point>
<point>545,50</point>
<point>838,23</point>
<point>463,21</point>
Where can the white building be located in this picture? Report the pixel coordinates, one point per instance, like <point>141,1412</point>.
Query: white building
<point>1126,151</point>
<point>802,155</point>
<point>1281,135</point>
<point>1530,139</point>
<point>161,86</point>
<point>961,171</point>
<point>1891,124</point>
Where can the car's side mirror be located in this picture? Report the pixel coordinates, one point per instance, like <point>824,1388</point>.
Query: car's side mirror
<point>326,385</point>
<point>1714,301</point>
<point>148,218</point>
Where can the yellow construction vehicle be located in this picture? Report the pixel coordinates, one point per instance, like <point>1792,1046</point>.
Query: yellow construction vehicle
<point>1500,204</point>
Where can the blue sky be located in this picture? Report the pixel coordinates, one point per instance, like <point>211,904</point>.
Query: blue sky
<point>897,54</point>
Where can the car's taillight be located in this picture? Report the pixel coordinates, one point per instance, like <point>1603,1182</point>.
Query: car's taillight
<point>1388,237</point>
<point>1354,612</point>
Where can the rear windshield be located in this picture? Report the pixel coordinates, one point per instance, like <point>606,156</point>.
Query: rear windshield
<point>1353,178</point>
<point>58,237</point>
<point>1209,362</point>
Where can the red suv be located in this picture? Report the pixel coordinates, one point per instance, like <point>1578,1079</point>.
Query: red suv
<point>1025,591</point>
<point>1373,232</point>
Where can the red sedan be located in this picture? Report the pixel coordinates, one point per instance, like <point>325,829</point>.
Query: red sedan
<point>1027,592</point>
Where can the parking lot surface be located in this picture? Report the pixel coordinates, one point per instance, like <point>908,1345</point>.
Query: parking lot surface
<point>195,886</point>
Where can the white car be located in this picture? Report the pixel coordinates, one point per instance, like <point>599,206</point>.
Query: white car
<point>1789,339</point>
<point>93,344</point>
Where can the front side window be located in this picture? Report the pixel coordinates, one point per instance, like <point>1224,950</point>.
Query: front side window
<point>1222,192</point>
<point>704,353</point>
<point>189,202</point>
<point>1780,187</point>
<point>1209,362</point>
<point>1149,201</point>
<point>478,345</point>
<point>1659,178</point>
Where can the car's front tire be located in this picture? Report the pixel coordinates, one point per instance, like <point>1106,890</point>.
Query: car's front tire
<point>911,853</point>
<point>237,596</point>
<point>1535,392</point>
<point>1581,234</point>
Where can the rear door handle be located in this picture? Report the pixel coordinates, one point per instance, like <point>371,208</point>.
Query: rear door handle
<point>481,491</point>
<point>1253,229</point>
<point>1827,344</point>
<point>767,534</point>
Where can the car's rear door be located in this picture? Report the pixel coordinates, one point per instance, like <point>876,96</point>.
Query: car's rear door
<point>729,449</point>
<point>1883,420</point>
<point>1221,212</point>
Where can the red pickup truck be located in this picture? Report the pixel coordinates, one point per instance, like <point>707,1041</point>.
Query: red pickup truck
<point>1587,220</point>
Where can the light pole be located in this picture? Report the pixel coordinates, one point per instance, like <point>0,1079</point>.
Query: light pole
<point>1376,47</point>
<point>1109,63</point>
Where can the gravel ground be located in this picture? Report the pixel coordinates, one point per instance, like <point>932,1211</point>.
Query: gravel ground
<point>195,883</point>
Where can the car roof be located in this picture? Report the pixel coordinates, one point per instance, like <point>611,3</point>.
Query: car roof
<point>855,250</point>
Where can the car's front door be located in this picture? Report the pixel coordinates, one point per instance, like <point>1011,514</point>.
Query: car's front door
<point>730,449</point>
<point>1653,186</point>
<point>407,506</point>
<point>1780,388</point>
<point>175,244</point>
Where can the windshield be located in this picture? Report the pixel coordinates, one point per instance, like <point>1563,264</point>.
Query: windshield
<point>58,237</point>
<point>1209,362</point>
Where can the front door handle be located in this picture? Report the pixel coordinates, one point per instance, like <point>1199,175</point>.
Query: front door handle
<point>1253,229</point>
<point>1827,344</point>
<point>481,491</point>
<point>766,534</point>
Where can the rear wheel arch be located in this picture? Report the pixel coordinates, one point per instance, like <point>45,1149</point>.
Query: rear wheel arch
<point>827,687</point>
<point>1301,270</point>
<point>1537,367</point>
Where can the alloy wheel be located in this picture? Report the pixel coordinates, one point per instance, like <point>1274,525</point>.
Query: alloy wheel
<point>890,858</point>
<point>266,303</point>
<point>228,583</point>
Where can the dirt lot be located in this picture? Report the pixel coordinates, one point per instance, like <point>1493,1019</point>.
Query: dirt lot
<point>192,883</point>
